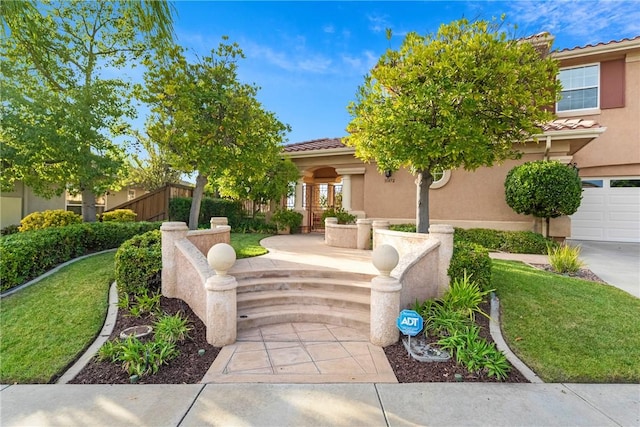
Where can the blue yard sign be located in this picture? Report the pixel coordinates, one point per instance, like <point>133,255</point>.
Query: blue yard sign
<point>410,322</point>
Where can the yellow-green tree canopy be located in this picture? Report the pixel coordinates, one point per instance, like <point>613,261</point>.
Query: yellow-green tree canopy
<point>61,102</point>
<point>206,120</point>
<point>458,98</point>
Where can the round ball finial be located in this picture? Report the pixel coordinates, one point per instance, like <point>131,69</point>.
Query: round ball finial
<point>385,258</point>
<point>221,258</point>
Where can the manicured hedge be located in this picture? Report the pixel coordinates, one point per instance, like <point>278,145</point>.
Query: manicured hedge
<point>138,264</point>
<point>180,207</point>
<point>522,242</point>
<point>49,219</point>
<point>24,256</point>
<point>474,260</point>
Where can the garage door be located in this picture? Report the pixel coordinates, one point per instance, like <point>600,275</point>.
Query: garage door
<point>610,210</point>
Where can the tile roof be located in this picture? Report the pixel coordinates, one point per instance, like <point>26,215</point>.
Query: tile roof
<point>332,143</point>
<point>612,42</point>
<point>316,144</point>
<point>569,124</point>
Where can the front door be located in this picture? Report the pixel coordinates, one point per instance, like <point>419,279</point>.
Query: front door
<point>318,197</point>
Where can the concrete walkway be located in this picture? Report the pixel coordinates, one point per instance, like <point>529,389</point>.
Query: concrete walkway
<point>435,404</point>
<point>338,404</point>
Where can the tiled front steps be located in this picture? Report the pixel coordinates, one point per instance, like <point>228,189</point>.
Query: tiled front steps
<point>284,296</point>
<point>301,353</point>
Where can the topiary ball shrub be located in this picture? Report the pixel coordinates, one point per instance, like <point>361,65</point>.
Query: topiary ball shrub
<point>119,215</point>
<point>405,228</point>
<point>139,263</point>
<point>472,259</point>
<point>48,219</point>
<point>544,189</point>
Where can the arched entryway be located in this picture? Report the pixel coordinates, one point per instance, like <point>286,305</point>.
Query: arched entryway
<point>321,190</point>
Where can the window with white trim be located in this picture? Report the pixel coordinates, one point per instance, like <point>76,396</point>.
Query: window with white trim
<point>74,203</point>
<point>440,177</point>
<point>580,88</point>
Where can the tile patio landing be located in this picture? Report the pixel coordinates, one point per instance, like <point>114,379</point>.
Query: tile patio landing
<point>301,353</point>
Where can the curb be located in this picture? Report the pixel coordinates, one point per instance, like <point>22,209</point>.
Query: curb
<point>50,272</point>
<point>103,336</point>
<point>496,333</point>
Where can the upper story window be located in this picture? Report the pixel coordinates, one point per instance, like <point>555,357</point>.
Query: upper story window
<point>580,88</point>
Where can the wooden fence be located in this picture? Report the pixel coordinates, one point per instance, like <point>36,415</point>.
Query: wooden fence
<point>154,206</point>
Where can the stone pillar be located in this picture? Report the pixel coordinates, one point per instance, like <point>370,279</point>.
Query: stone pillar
<point>171,233</point>
<point>298,197</point>
<point>222,309</point>
<point>443,233</point>
<point>327,221</point>
<point>385,297</point>
<point>346,192</point>
<point>215,221</point>
<point>364,233</point>
<point>378,225</point>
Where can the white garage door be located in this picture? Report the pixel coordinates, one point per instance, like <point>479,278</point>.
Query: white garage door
<point>610,210</point>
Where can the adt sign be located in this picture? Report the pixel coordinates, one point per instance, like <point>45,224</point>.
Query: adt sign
<point>409,322</point>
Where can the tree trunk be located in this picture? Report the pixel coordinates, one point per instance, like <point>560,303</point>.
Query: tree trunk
<point>423,182</point>
<point>196,201</point>
<point>88,206</point>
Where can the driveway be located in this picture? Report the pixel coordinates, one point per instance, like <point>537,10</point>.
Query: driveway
<point>616,263</point>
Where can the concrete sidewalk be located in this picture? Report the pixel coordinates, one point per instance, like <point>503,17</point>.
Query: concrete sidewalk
<point>321,404</point>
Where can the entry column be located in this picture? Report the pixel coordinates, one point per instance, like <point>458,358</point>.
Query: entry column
<point>346,173</point>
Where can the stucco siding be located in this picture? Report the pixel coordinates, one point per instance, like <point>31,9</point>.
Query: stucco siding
<point>617,151</point>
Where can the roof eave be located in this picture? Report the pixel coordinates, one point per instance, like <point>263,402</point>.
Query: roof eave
<point>579,52</point>
<point>319,153</point>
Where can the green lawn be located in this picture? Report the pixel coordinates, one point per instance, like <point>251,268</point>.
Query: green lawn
<point>44,327</point>
<point>248,245</point>
<point>568,330</point>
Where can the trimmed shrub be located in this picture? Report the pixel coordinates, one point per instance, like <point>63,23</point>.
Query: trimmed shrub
<point>48,219</point>
<point>343,216</point>
<point>138,264</point>
<point>119,215</point>
<point>255,225</point>
<point>180,207</point>
<point>10,229</point>
<point>545,189</point>
<point>526,242</point>
<point>473,260</point>
<point>490,239</point>
<point>24,256</point>
<point>406,228</point>
<point>523,242</point>
<point>284,218</point>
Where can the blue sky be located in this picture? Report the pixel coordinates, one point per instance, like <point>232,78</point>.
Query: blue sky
<point>310,57</point>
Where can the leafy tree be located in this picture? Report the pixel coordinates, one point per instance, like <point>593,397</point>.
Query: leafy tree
<point>151,172</point>
<point>267,181</point>
<point>543,189</point>
<point>207,120</point>
<point>459,98</point>
<point>60,104</point>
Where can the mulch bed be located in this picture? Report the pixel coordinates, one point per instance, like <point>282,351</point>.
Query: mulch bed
<point>409,370</point>
<point>190,367</point>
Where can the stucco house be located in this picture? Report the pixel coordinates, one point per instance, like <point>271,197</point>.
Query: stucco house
<point>596,129</point>
<point>22,201</point>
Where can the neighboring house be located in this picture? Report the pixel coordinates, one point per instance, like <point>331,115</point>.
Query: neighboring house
<point>596,129</point>
<point>22,201</point>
